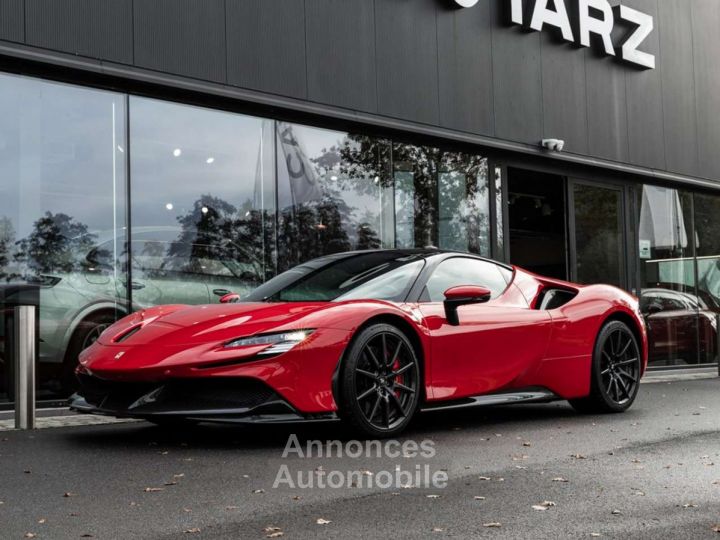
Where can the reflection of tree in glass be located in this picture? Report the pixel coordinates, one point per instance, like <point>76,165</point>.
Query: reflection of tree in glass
<point>362,163</point>
<point>7,237</point>
<point>54,244</point>
<point>218,231</point>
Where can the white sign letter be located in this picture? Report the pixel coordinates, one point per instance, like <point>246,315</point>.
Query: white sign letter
<point>559,19</point>
<point>516,11</point>
<point>590,25</point>
<point>466,3</point>
<point>629,50</point>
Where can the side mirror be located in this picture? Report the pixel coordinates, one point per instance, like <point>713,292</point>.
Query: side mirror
<point>654,308</point>
<point>461,296</point>
<point>230,298</point>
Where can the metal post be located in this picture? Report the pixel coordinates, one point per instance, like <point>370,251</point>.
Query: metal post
<point>24,354</point>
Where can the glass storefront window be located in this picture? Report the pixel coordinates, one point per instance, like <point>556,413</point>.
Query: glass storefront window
<point>333,193</point>
<point>203,203</point>
<point>62,216</point>
<point>668,297</point>
<point>599,234</point>
<point>441,199</point>
<point>707,239</point>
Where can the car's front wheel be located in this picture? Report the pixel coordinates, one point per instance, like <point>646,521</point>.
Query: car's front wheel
<point>616,371</point>
<point>380,381</point>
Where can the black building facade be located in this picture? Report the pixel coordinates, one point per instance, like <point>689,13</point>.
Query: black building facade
<point>162,151</point>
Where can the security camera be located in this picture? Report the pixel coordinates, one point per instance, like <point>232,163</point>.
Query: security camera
<point>555,145</point>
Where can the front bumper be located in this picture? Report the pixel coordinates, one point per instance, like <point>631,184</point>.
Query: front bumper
<point>226,400</point>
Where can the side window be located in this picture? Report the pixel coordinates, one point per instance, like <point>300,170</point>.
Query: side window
<point>463,271</point>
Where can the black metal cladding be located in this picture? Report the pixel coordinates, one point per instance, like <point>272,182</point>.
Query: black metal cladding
<point>422,61</point>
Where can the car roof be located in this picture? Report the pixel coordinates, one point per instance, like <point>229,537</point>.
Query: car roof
<point>425,253</point>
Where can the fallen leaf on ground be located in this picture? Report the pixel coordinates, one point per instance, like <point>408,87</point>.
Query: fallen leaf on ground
<point>578,456</point>
<point>153,489</point>
<point>492,524</point>
<point>321,521</point>
<point>256,491</point>
<point>479,498</point>
<point>193,530</point>
<point>560,479</point>
<point>29,535</point>
<point>616,513</point>
<point>271,529</point>
<point>276,534</point>
<point>483,478</point>
<point>437,529</point>
<point>689,505</point>
<point>68,494</point>
<point>433,496</point>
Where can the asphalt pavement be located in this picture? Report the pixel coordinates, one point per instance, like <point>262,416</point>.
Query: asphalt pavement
<point>528,471</point>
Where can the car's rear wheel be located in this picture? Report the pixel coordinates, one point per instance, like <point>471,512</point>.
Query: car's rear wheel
<point>616,370</point>
<point>380,381</point>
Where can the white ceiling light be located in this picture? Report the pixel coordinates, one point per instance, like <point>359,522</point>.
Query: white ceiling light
<point>204,210</point>
<point>169,206</point>
<point>177,152</point>
<point>210,160</point>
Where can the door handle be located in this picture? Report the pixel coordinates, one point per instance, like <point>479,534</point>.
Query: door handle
<point>136,286</point>
<point>221,292</point>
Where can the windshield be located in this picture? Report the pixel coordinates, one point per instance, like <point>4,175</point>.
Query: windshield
<point>374,275</point>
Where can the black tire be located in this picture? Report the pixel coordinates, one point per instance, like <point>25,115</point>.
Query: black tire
<point>615,372</point>
<point>380,382</point>
<point>84,335</point>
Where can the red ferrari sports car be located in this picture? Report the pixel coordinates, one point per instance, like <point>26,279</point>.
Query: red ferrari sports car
<point>371,337</point>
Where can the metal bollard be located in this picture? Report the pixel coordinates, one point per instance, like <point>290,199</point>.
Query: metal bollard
<point>24,354</point>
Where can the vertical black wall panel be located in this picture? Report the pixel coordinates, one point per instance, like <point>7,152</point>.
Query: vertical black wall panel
<point>266,46</point>
<point>85,27</point>
<point>183,37</point>
<point>646,139</point>
<point>706,27</point>
<point>564,93</point>
<point>407,59</point>
<point>12,20</point>
<point>606,107</point>
<point>675,61</point>
<point>517,82</point>
<point>465,68</point>
<point>341,53</point>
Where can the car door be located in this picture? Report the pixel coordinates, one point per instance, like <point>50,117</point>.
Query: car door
<point>493,342</point>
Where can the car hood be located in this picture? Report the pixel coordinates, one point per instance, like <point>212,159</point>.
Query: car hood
<point>191,325</point>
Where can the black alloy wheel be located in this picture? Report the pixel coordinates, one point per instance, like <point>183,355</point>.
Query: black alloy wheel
<point>616,371</point>
<point>380,381</point>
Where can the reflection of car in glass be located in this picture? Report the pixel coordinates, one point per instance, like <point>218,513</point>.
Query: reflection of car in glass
<point>679,325</point>
<point>76,306</point>
<point>371,337</point>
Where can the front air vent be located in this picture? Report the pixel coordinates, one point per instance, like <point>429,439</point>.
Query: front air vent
<point>127,334</point>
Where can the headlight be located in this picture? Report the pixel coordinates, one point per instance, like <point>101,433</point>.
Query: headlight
<point>279,343</point>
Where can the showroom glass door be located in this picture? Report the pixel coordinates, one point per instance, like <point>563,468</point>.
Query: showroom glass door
<point>597,233</point>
